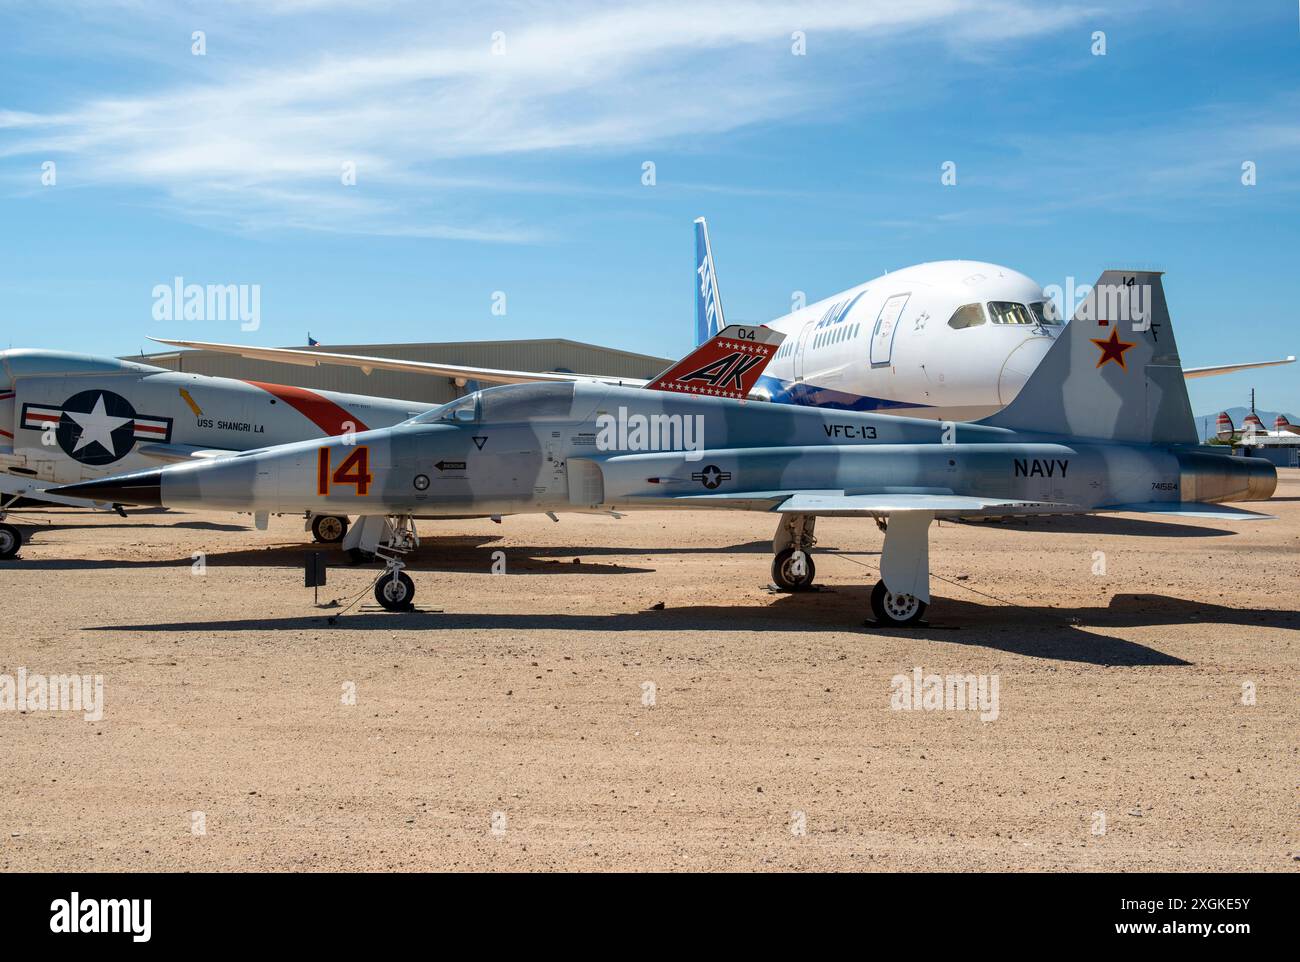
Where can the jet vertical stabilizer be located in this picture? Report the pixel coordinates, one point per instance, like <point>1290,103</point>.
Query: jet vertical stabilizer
<point>1114,374</point>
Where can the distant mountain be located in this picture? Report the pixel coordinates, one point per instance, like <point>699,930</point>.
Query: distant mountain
<point>1205,423</point>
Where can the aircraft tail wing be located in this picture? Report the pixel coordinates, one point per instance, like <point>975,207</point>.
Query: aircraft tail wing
<point>708,302</point>
<point>1187,509</point>
<point>1113,374</point>
<point>727,365</point>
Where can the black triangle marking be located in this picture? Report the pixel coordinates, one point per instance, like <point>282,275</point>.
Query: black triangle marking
<point>479,442</point>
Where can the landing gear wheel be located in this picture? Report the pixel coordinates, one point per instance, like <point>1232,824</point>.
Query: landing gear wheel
<point>895,610</point>
<point>329,528</point>
<point>395,594</point>
<point>10,541</point>
<point>793,570</point>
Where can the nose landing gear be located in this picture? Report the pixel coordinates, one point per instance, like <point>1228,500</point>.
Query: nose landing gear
<point>395,591</point>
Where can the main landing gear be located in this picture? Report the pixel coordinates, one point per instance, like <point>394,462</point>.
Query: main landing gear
<point>902,594</point>
<point>328,528</point>
<point>793,570</point>
<point>895,610</point>
<point>792,566</point>
<point>395,590</point>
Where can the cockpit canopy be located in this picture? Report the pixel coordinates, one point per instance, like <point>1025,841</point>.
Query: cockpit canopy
<point>507,403</point>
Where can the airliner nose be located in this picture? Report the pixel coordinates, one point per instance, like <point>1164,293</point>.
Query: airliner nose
<point>1020,363</point>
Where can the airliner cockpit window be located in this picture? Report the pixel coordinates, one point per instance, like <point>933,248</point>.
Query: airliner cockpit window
<point>1009,312</point>
<point>971,315</point>
<point>1046,313</point>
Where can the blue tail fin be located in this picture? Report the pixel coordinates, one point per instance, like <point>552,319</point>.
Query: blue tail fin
<point>708,303</point>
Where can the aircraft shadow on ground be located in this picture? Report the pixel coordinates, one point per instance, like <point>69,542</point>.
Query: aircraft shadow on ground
<point>28,529</point>
<point>1039,632</point>
<point>462,554</point>
<point>459,553</point>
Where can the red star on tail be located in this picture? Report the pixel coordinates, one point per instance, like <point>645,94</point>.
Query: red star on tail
<point>1112,349</point>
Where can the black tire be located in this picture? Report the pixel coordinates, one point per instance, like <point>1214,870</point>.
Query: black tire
<point>395,595</point>
<point>785,571</point>
<point>329,528</point>
<point>11,541</point>
<point>895,611</point>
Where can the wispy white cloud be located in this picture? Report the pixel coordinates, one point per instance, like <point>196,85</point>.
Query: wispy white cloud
<point>257,147</point>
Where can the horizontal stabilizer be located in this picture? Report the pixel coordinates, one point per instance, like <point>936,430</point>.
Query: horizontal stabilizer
<point>1189,509</point>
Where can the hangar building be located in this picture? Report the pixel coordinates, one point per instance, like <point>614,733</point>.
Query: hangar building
<point>549,354</point>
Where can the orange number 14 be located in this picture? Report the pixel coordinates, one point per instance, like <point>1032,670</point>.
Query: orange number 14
<point>355,470</point>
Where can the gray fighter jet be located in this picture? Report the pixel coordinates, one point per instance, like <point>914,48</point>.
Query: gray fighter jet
<point>1102,425</point>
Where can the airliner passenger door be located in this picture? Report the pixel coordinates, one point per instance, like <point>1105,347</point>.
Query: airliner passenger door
<point>882,336</point>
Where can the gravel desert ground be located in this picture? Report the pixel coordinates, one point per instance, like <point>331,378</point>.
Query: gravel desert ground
<point>628,695</point>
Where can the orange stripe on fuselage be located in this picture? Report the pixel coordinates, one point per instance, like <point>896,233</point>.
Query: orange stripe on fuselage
<point>321,411</point>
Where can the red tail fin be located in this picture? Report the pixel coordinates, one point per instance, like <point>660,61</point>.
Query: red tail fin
<point>727,365</point>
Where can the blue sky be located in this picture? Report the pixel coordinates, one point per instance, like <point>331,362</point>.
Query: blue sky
<point>521,171</point>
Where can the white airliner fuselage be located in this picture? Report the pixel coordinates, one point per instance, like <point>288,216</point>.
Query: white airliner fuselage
<point>953,340</point>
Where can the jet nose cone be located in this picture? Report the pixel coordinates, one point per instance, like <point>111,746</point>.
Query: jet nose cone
<point>1020,363</point>
<point>144,487</point>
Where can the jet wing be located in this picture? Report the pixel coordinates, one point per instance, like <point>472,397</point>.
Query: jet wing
<point>940,504</point>
<point>461,372</point>
<point>172,453</point>
<point>1190,372</point>
<point>837,503</point>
